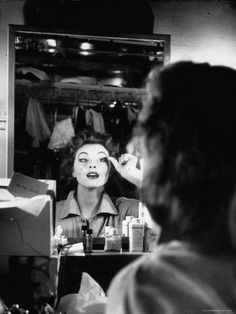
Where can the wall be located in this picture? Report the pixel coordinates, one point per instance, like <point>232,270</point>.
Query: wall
<point>200,31</point>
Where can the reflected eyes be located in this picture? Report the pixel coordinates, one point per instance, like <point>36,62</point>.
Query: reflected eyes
<point>84,160</point>
<point>103,159</point>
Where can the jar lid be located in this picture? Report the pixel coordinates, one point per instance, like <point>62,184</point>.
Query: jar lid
<point>90,231</point>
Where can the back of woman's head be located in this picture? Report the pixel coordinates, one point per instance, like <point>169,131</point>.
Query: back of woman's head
<point>189,127</point>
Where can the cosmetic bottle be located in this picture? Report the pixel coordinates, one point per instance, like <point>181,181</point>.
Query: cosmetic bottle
<point>136,235</point>
<point>89,241</point>
<point>108,230</point>
<point>125,226</point>
<point>84,229</point>
<point>113,241</point>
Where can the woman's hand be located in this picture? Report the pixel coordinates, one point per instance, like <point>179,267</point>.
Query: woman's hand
<point>127,168</point>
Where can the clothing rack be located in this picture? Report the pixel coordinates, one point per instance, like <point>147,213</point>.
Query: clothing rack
<point>87,103</point>
<point>68,94</point>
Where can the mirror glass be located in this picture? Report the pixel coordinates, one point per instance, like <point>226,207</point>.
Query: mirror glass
<point>65,82</point>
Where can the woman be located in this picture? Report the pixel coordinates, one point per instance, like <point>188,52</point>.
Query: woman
<point>187,130</point>
<point>87,166</point>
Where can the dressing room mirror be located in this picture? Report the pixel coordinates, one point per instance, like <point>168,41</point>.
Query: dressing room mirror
<point>81,79</point>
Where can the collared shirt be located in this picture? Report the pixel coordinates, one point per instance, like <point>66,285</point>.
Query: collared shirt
<point>110,213</point>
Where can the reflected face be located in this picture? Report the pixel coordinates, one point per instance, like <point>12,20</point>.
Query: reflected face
<point>91,165</point>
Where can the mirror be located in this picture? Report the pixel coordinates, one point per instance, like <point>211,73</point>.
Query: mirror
<point>93,81</point>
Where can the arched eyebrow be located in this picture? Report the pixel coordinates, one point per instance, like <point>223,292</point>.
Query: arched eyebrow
<point>105,153</point>
<point>83,153</point>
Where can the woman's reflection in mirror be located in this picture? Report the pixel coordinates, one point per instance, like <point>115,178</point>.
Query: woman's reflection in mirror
<point>88,161</point>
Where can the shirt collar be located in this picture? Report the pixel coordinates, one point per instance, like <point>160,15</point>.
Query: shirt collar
<point>107,206</point>
<point>71,206</point>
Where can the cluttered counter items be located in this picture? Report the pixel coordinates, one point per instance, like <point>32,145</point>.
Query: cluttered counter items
<point>135,236</point>
<point>109,254</point>
<point>98,260</point>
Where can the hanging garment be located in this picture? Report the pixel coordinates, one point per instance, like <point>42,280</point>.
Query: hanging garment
<point>78,118</point>
<point>95,120</point>
<point>39,74</point>
<point>117,124</point>
<point>36,125</point>
<point>62,134</point>
<point>132,113</point>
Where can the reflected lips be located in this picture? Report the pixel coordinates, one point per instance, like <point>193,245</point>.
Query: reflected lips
<point>93,175</point>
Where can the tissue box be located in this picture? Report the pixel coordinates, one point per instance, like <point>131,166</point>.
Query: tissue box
<point>26,227</point>
<point>51,190</point>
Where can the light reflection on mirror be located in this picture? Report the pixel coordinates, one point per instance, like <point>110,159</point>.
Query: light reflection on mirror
<point>102,58</point>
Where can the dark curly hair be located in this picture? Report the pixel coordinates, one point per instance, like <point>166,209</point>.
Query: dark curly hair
<point>68,156</point>
<point>188,123</point>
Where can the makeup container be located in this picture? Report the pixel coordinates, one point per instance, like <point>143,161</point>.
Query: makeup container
<point>113,241</point>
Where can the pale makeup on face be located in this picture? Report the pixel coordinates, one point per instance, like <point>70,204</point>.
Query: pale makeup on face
<point>92,165</point>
